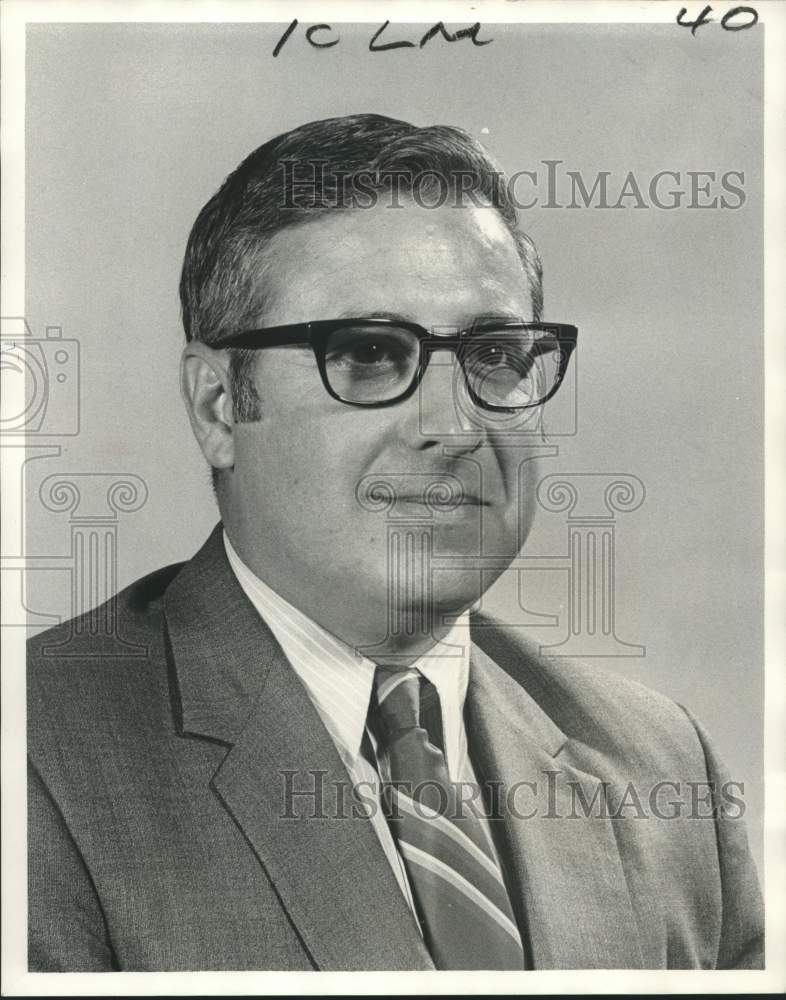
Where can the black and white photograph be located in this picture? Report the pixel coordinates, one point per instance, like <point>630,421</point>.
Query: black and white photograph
<point>392,468</point>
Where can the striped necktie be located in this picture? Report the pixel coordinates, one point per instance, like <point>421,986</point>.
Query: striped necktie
<point>457,885</point>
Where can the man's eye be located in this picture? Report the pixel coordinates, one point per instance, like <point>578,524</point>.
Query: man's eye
<point>515,361</point>
<point>369,353</point>
<point>374,352</point>
<point>498,356</point>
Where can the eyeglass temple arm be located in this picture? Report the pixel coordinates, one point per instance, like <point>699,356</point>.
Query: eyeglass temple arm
<point>276,336</point>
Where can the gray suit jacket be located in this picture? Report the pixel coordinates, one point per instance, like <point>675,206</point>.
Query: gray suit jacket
<point>156,794</point>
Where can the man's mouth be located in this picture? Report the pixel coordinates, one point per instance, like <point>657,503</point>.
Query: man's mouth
<point>448,502</point>
<point>437,492</point>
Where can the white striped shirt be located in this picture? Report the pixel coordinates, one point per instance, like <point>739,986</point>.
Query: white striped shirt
<point>339,681</point>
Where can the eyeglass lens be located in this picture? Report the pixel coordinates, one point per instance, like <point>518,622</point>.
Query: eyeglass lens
<point>505,367</point>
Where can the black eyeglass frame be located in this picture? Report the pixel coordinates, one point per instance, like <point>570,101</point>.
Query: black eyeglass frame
<point>317,333</point>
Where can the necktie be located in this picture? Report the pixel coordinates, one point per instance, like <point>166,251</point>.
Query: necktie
<point>456,883</point>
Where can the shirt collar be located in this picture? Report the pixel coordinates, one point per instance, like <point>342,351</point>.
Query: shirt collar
<point>339,680</point>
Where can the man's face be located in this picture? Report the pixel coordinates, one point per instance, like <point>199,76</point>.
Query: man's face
<point>297,509</point>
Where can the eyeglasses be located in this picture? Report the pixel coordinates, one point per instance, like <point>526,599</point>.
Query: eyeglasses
<point>377,362</point>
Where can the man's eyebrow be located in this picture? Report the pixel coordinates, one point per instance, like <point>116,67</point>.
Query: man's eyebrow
<point>374,314</point>
<point>466,323</point>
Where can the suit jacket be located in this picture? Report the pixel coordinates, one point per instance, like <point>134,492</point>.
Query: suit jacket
<point>157,836</point>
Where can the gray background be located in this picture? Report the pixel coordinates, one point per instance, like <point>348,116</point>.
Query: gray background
<point>130,128</point>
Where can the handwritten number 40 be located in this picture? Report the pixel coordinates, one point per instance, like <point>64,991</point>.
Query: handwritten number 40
<point>729,22</point>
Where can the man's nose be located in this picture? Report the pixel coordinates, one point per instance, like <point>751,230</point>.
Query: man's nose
<point>445,411</point>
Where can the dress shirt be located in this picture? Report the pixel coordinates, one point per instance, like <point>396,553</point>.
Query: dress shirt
<point>339,681</point>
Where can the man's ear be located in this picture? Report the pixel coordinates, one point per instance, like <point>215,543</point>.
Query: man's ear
<point>204,383</point>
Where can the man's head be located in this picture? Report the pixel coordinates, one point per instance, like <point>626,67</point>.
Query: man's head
<point>362,216</point>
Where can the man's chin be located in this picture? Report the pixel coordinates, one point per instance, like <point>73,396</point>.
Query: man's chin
<point>421,591</point>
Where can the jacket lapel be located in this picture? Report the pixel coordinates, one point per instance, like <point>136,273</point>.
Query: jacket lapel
<point>233,684</point>
<point>569,884</point>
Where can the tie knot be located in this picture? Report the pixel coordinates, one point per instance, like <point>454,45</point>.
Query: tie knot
<point>398,699</point>
<point>404,700</point>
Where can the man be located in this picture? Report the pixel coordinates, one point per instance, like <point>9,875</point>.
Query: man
<point>363,321</point>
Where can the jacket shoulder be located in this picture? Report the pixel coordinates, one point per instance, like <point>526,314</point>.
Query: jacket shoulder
<point>137,608</point>
<point>592,705</point>
<point>90,677</point>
